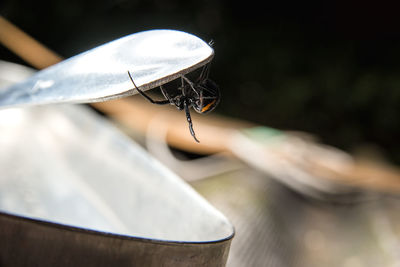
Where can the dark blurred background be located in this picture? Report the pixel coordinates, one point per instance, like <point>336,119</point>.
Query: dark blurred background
<point>328,68</point>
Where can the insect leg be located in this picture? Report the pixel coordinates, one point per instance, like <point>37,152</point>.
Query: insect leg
<point>158,102</point>
<point>166,95</point>
<point>189,119</point>
<point>205,72</point>
<point>183,78</point>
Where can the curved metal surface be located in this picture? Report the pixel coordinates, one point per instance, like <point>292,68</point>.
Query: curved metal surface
<point>27,242</point>
<point>153,57</point>
<point>74,191</point>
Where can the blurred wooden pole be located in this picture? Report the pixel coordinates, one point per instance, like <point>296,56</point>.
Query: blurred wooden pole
<point>213,132</point>
<point>25,46</point>
<point>137,113</point>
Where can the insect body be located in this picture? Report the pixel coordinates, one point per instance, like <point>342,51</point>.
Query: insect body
<point>202,95</point>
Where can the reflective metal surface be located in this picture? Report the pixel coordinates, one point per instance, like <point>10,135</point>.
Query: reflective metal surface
<point>153,58</point>
<point>74,191</point>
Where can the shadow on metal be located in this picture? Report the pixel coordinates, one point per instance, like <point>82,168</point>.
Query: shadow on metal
<point>27,242</point>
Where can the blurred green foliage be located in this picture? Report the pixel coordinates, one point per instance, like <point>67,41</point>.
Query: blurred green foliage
<point>329,68</point>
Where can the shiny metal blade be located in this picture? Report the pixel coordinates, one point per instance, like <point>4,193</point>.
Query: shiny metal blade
<point>152,57</point>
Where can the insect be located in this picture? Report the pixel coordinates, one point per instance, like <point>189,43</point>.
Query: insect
<point>202,95</point>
